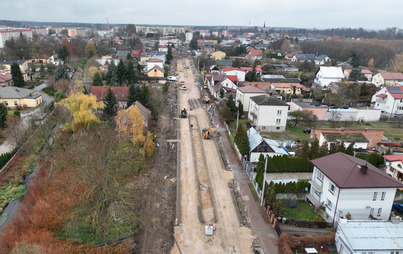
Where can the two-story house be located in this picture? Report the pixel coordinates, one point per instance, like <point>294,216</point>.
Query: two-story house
<point>390,100</point>
<point>328,74</point>
<point>342,184</point>
<point>394,166</point>
<point>121,93</point>
<point>259,145</point>
<point>289,88</point>
<point>234,71</point>
<point>387,78</point>
<point>216,83</point>
<point>244,93</point>
<point>267,113</point>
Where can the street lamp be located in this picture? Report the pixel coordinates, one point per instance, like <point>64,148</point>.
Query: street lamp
<point>264,180</point>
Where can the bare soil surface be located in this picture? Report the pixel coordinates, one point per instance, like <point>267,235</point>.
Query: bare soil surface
<point>296,231</point>
<point>158,186</point>
<point>229,236</point>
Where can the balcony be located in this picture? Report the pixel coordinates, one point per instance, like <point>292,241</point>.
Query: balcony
<point>316,185</point>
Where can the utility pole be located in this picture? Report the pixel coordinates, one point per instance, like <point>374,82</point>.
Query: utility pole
<point>264,180</point>
<point>237,118</point>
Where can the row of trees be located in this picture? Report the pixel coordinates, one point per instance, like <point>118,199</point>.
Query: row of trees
<point>313,150</point>
<point>118,74</point>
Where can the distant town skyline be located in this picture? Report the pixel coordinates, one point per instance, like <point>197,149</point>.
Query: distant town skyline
<point>368,14</point>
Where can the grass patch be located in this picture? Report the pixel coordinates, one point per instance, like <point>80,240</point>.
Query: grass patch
<point>254,193</point>
<point>303,212</point>
<point>9,193</point>
<point>49,91</point>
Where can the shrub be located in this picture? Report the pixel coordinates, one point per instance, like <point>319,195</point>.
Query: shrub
<point>17,113</point>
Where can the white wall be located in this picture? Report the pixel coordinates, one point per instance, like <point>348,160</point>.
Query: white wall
<point>387,105</point>
<point>267,116</point>
<point>244,98</point>
<point>238,73</point>
<point>377,80</point>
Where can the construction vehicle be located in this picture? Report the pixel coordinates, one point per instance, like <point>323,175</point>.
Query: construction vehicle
<point>206,99</point>
<point>182,83</point>
<point>207,133</point>
<point>183,113</point>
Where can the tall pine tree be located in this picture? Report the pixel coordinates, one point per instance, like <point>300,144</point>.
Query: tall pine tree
<point>16,75</point>
<point>121,72</point>
<point>131,76</point>
<point>110,104</point>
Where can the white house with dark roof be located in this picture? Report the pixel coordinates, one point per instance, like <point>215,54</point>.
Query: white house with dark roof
<point>154,62</point>
<point>217,82</point>
<point>259,145</point>
<point>267,113</point>
<point>328,74</point>
<point>377,237</point>
<point>342,184</point>
<point>390,100</point>
<point>360,141</point>
<point>244,93</point>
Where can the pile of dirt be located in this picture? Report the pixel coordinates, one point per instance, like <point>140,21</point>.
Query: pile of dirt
<point>159,209</point>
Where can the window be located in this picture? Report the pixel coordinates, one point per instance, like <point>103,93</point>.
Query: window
<point>15,103</point>
<point>371,212</point>
<point>383,196</point>
<point>329,204</point>
<point>6,103</point>
<point>331,188</point>
<point>320,176</point>
<point>399,108</point>
<point>379,212</point>
<point>279,112</point>
<point>374,197</point>
<point>278,121</point>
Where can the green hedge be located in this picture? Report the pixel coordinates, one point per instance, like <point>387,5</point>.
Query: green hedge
<point>280,164</point>
<point>291,187</point>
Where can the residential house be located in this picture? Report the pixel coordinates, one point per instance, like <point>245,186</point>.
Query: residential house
<point>258,70</point>
<point>254,54</point>
<point>267,113</point>
<point>389,147</point>
<point>123,53</point>
<point>234,71</point>
<point>289,88</point>
<point>394,166</point>
<point>121,93</point>
<point>117,41</point>
<point>55,60</point>
<point>16,97</point>
<point>217,82</point>
<point>342,184</point>
<point>322,59</point>
<point>297,58</point>
<point>373,136</point>
<point>5,77</point>
<point>107,59</point>
<point>154,62</point>
<point>319,112</point>
<point>22,63</point>
<point>163,49</point>
<point>328,74</point>
<point>390,100</point>
<point>244,93</point>
<point>372,237</point>
<point>218,55</point>
<point>387,78</point>
<point>259,145</point>
<point>279,79</point>
<point>136,53</point>
<point>224,63</point>
<point>360,141</point>
<point>214,69</point>
<point>364,72</point>
<point>144,112</point>
<point>155,72</point>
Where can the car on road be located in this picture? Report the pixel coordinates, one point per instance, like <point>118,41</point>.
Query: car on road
<point>172,78</point>
<point>308,130</point>
<point>182,87</point>
<point>186,67</point>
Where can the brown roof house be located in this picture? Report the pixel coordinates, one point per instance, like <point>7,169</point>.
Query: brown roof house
<point>121,93</point>
<point>344,185</point>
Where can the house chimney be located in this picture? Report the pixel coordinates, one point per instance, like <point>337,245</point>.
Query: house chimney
<point>363,168</point>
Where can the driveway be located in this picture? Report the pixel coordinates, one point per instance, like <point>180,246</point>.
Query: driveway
<point>46,98</point>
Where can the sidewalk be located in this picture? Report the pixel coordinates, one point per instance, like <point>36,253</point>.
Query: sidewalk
<point>264,231</point>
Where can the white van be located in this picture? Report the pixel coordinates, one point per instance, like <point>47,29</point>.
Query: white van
<point>172,78</point>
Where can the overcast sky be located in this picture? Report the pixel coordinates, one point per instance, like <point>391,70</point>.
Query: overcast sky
<point>370,14</point>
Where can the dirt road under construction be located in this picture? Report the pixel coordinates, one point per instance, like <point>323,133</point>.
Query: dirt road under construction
<point>205,197</point>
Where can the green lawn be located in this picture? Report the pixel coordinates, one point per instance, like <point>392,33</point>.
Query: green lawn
<point>303,212</point>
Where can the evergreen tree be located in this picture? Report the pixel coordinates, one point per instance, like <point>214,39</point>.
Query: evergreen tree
<point>354,60</point>
<point>3,115</point>
<point>16,75</point>
<point>60,73</point>
<point>63,53</point>
<point>121,72</point>
<point>350,149</point>
<point>131,73</point>
<point>342,147</point>
<point>333,148</point>
<point>260,171</point>
<point>131,98</point>
<point>144,95</point>
<point>304,152</point>
<point>111,75</point>
<point>97,79</point>
<point>323,150</point>
<point>243,140</point>
<point>42,70</point>
<point>314,150</point>
<point>169,54</point>
<point>110,104</point>
<point>240,109</point>
<point>231,104</point>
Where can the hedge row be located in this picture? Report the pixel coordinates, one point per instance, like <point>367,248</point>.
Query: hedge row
<point>5,157</point>
<point>290,187</point>
<point>279,164</point>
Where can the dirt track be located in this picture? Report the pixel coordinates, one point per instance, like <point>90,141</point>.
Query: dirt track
<point>229,237</point>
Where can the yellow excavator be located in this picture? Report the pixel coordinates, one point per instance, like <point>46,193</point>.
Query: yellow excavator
<point>206,99</point>
<point>207,133</point>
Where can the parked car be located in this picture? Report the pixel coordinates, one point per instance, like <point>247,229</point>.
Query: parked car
<point>182,87</point>
<point>308,130</point>
<point>398,207</point>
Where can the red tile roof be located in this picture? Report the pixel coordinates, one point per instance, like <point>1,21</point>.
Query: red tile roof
<point>154,60</point>
<point>394,157</point>
<point>246,69</point>
<point>344,170</point>
<point>255,52</point>
<point>366,72</point>
<point>392,75</point>
<point>382,95</point>
<point>121,92</point>
<point>231,69</point>
<point>5,75</point>
<point>233,78</point>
